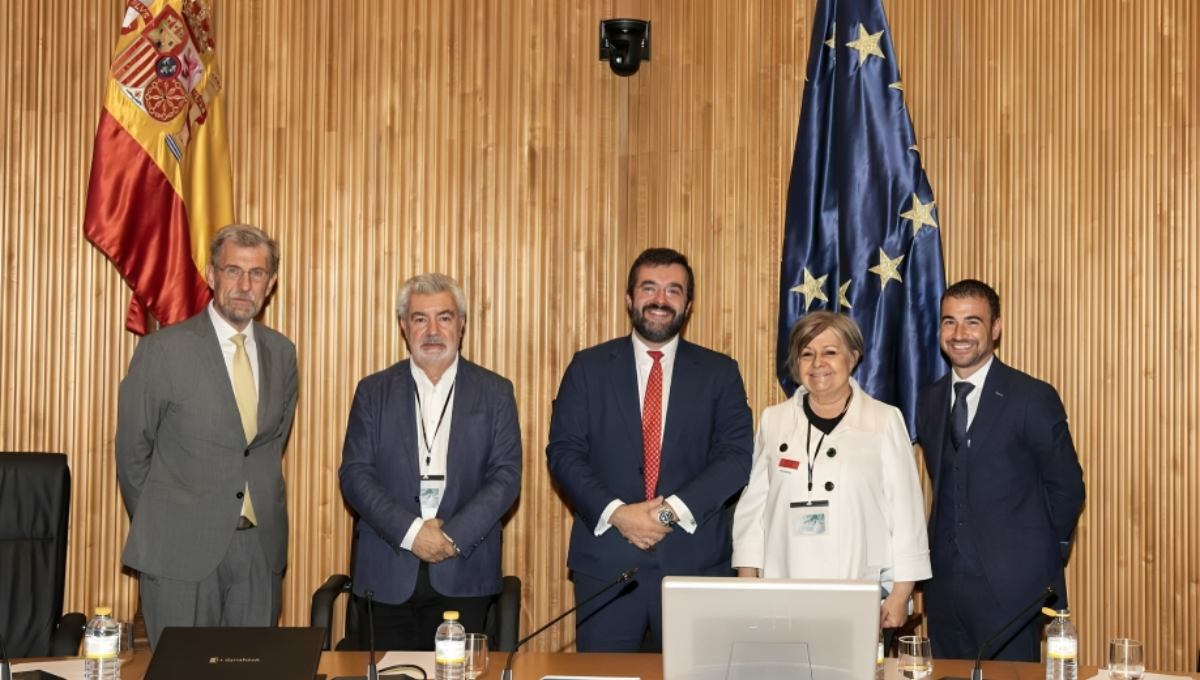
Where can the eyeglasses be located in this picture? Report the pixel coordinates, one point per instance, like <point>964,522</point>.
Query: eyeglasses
<point>234,273</point>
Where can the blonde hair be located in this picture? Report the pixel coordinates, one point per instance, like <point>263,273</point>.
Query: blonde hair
<point>809,326</point>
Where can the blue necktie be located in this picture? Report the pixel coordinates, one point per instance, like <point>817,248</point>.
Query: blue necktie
<point>958,415</point>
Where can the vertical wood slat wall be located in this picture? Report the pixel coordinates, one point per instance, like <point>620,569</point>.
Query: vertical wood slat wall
<point>485,140</point>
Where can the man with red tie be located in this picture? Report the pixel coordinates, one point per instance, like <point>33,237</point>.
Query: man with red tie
<point>650,438</point>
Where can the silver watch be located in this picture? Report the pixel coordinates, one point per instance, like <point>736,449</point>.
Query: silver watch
<point>666,517</point>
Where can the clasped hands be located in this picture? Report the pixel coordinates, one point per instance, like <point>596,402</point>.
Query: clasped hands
<point>430,544</point>
<point>638,522</point>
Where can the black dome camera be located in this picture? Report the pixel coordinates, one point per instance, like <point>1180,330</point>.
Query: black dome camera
<point>624,43</point>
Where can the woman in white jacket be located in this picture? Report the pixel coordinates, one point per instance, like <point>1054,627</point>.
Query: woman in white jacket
<point>833,492</point>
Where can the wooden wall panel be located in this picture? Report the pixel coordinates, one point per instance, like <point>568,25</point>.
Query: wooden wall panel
<point>485,140</point>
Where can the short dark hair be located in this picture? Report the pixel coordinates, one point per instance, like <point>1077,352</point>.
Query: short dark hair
<point>661,257</point>
<point>969,288</point>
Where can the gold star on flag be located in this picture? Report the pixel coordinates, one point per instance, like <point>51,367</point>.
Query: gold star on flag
<point>830,42</point>
<point>921,214</point>
<point>811,288</point>
<point>897,86</point>
<point>887,269</point>
<point>842,291</point>
<point>866,44</point>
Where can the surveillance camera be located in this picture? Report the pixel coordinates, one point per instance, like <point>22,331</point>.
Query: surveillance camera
<point>624,43</point>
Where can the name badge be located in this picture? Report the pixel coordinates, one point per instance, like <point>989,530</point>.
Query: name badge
<point>431,494</point>
<point>787,466</point>
<point>810,518</point>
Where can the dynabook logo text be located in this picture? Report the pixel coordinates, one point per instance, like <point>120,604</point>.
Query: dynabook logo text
<point>240,659</point>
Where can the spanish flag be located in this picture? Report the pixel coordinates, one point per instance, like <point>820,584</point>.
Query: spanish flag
<point>161,182</point>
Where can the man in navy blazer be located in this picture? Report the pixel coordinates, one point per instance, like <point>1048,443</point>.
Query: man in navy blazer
<point>650,437</point>
<point>1007,488</point>
<point>431,462</point>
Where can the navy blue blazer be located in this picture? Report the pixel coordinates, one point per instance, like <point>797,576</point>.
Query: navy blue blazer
<point>380,480</point>
<point>1024,485</point>
<point>595,454</point>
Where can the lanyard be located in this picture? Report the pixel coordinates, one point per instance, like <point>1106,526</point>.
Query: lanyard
<point>421,413</point>
<point>808,450</point>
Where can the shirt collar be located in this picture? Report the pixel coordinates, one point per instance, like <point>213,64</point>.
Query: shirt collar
<point>425,384</point>
<point>225,331</point>
<point>640,350</point>
<point>977,377</point>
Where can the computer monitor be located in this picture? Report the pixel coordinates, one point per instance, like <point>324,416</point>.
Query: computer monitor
<point>743,628</point>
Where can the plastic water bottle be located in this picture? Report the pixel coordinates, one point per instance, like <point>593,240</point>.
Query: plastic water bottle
<point>450,649</point>
<point>1062,647</point>
<point>101,644</point>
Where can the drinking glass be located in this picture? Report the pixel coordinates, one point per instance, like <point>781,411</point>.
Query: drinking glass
<point>916,659</point>
<point>1126,660</point>
<point>477,655</point>
<point>125,647</point>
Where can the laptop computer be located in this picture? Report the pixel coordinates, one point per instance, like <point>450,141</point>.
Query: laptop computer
<point>236,654</point>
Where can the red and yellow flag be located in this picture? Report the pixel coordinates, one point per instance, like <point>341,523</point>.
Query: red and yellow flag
<point>161,181</point>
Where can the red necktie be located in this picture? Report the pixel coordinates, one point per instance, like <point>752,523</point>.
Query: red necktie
<point>652,424</point>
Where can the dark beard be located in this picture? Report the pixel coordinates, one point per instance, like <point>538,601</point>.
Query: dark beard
<point>656,333</point>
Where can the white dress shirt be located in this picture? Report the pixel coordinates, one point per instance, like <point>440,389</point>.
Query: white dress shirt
<point>225,333</point>
<point>433,442</point>
<point>973,397</point>
<point>645,363</point>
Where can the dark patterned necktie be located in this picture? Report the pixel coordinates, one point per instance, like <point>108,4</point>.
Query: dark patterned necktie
<point>958,415</point>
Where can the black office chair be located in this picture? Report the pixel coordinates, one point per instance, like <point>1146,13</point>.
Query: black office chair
<point>35,507</point>
<point>502,625</point>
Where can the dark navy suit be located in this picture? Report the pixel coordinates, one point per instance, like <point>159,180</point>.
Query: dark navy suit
<point>595,454</point>
<point>380,479</point>
<point>1004,506</point>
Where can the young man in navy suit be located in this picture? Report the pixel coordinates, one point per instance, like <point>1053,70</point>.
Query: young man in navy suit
<point>1007,488</point>
<point>431,462</point>
<point>650,436</point>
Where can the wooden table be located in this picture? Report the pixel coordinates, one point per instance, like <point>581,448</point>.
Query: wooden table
<point>534,665</point>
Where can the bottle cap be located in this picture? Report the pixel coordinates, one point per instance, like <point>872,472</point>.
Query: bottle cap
<point>451,616</point>
<point>1061,613</point>
<point>103,611</point>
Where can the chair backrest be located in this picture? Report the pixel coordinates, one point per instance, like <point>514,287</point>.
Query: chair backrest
<point>35,508</point>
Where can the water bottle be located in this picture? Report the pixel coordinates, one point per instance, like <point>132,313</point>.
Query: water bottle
<point>450,649</point>
<point>1062,647</point>
<point>101,644</point>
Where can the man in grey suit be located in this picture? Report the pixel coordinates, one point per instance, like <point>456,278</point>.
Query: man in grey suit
<point>203,417</point>
<point>431,462</point>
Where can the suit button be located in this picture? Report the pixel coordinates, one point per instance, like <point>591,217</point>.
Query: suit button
<point>829,486</point>
<point>240,495</point>
<point>246,453</point>
<point>782,448</point>
<point>831,453</point>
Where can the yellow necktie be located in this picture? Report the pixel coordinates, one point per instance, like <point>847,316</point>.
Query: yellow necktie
<point>247,402</point>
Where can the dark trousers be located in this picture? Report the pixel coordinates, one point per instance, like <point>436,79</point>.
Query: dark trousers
<point>240,592</point>
<point>617,621</point>
<point>960,625</point>
<point>412,625</point>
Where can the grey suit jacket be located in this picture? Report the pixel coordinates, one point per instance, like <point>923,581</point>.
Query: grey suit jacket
<point>182,457</point>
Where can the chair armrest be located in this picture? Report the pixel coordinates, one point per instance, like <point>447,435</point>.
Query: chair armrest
<point>508,619</point>
<point>68,635</point>
<point>321,613</point>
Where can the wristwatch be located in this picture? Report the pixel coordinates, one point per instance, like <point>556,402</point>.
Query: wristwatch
<point>667,517</point>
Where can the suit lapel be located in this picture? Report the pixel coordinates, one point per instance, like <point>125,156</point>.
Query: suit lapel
<point>939,396</point>
<point>625,387</point>
<point>266,394</point>
<point>685,383</point>
<point>465,396</point>
<point>407,428</point>
<point>991,407</point>
<point>214,365</point>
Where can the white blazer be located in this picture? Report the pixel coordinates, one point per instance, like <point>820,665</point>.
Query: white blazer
<point>865,470</point>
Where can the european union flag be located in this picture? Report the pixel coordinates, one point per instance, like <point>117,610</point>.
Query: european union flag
<point>862,233</point>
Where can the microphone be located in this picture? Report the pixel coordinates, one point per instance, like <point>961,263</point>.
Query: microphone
<point>507,673</point>
<point>372,669</point>
<point>977,671</point>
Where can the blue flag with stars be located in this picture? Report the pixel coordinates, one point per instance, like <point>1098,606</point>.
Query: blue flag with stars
<point>862,234</point>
